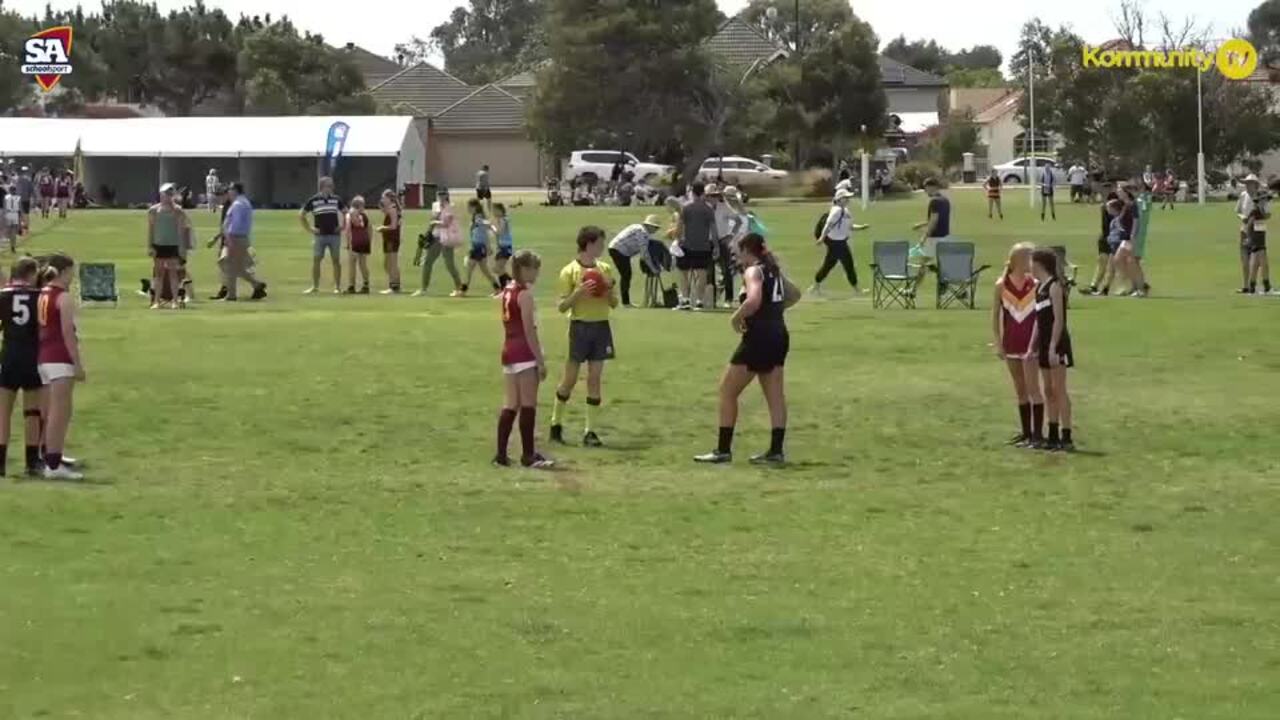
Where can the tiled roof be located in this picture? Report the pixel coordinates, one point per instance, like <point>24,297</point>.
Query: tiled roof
<point>999,108</point>
<point>488,108</point>
<point>424,87</point>
<point>373,67</point>
<point>738,43</point>
<point>897,74</point>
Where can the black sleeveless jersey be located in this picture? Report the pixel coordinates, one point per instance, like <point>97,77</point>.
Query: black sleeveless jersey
<point>1044,313</point>
<point>768,319</point>
<point>21,332</point>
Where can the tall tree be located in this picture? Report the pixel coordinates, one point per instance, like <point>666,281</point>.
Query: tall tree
<point>283,72</point>
<point>198,59</point>
<point>671,91</point>
<point>919,54</point>
<point>819,19</point>
<point>490,39</point>
<point>15,89</point>
<point>1264,32</point>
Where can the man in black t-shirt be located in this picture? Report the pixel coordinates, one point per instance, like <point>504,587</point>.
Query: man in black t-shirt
<point>329,213</point>
<point>937,226</point>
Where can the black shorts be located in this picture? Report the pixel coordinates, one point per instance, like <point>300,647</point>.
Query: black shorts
<point>478,253</point>
<point>503,254</point>
<point>484,194</point>
<point>762,352</point>
<point>26,206</point>
<point>1257,243</point>
<point>20,377</point>
<point>165,252</point>
<point>694,260</point>
<point>1065,357</point>
<point>1046,193</point>
<point>590,341</point>
<point>1104,247</point>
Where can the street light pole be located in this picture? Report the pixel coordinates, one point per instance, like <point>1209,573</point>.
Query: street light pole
<point>1031,101</point>
<point>1200,182</point>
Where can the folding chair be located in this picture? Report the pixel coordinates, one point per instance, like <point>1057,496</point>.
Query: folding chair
<point>98,283</point>
<point>893,282</point>
<point>653,262</point>
<point>1066,271</point>
<point>957,280</point>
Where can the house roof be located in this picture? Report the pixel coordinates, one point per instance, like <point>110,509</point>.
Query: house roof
<point>425,88</point>
<point>899,74</point>
<point>975,100</point>
<point>999,108</point>
<point>739,43</point>
<point>488,108</point>
<point>373,67</point>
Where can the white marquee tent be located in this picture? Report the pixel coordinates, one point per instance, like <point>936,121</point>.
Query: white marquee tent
<point>278,158</point>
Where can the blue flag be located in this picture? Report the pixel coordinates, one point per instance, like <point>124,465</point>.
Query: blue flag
<point>335,143</point>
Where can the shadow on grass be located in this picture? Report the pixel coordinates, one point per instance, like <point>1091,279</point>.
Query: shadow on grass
<point>86,483</point>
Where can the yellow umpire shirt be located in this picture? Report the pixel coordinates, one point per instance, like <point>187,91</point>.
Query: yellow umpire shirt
<point>589,308</point>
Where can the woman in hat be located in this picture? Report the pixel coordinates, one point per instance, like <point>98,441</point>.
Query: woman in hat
<point>631,242</point>
<point>443,237</point>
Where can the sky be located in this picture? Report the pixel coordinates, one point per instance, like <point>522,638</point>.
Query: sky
<point>942,20</point>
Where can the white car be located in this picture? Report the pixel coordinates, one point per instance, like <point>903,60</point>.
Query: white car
<point>1012,173</point>
<point>742,172</point>
<point>598,165</point>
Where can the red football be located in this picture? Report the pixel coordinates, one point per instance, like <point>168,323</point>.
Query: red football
<point>602,285</point>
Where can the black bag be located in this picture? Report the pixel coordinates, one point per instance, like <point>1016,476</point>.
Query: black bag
<point>822,225</point>
<point>670,297</point>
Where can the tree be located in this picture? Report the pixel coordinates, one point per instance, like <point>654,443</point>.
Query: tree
<point>198,59</point>
<point>671,91</point>
<point>819,19</point>
<point>959,136</point>
<point>976,78</point>
<point>283,72</point>
<point>413,51</point>
<point>978,57</point>
<point>1264,32</point>
<point>841,86</point>
<point>15,88</point>
<point>919,54</point>
<point>489,40</point>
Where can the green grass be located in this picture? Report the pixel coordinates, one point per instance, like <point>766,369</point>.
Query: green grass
<point>293,515</point>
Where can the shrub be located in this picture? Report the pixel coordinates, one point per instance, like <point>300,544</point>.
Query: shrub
<point>915,173</point>
<point>817,183</point>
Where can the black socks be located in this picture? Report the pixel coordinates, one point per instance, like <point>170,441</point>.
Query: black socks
<point>726,440</point>
<point>1037,421</point>
<point>1053,432</point>
<point>1024,416</point>
<point>776,439</point>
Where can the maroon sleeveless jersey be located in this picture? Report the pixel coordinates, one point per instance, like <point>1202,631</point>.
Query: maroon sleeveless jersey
<point>515,348</point>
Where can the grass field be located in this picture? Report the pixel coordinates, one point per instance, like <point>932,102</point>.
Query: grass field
<point>292,512</point>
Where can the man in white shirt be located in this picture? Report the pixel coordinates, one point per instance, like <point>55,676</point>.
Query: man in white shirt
<point>726,224</point>
<point>835,234</point>
<point>1078,176</point>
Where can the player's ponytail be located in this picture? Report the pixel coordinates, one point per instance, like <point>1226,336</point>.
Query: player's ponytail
<point>1015,252</point>
<point>754,244</point>
<point>55,265</point>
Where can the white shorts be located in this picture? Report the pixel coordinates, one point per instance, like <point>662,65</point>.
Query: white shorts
<point>517,368</point>
<point>55,371</point>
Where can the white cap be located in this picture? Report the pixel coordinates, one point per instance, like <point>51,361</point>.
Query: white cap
<point>168,188</point>
<point>1251,178</point>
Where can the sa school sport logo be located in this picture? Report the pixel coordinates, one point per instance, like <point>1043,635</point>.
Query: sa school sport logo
<point>47,56</point>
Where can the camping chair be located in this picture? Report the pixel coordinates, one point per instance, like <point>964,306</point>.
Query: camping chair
<point>893,282</point>
<point>653,262</point>
<point>98,283</point>
<point>957,280</point>
<point>1066,271</point>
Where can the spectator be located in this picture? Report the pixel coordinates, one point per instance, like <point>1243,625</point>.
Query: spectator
<point>211,187</point>
<point>329,214</point>
<point>723,248</point>
<point>632,241</point>
<point>237,230</point>
<point>937,227</point>
<point>167,225</point>
<point>1078,177</point>
<point>484,193</point>
<point>697,236</point>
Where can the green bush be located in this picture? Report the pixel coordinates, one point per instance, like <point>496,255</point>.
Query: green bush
<point>817,183</point>
<point>915,173</point>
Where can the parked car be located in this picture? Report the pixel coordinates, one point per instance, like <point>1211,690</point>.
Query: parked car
<point>598,165</point>
<point>1012,173</point>
<point>742,172</point>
